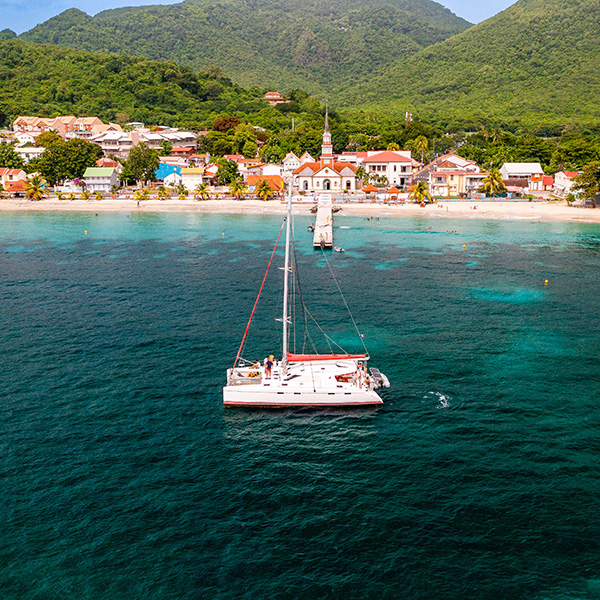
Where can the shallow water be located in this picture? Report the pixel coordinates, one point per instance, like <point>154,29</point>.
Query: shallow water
<point>122,476</point>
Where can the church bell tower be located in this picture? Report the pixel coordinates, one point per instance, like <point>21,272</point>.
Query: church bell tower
<point>326,147</point>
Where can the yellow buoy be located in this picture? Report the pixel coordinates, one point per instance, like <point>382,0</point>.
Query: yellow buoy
<point>463,246</point>
<point>545,282</point>
<point>223,234</point>
<point>85,232</point>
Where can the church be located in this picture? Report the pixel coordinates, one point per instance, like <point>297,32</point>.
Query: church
<point>325,175</point>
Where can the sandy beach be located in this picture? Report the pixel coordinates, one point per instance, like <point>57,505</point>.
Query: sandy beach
<point>504,210</point>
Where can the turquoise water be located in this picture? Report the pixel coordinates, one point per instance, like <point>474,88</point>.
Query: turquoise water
<point>121,475</point>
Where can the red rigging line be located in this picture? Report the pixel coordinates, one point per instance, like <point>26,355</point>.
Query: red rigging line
<point>258,297</point>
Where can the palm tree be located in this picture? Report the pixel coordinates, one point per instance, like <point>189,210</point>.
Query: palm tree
<point>98,196</point>
<point>393,147</point>
<point>238,189</point>
<point>493,183</point>
<point>420,193</point>
<point>35,188</point>
<point>421,144</point>
<point>202,191</point>
<point>85,195</point>
<point>163,193</point>
<point>142,194</point>
<point>71,196</point>
<point>182,191</point>
<point>263,189</point>
<point>59,195</point>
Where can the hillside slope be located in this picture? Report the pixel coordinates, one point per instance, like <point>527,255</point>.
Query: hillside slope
<point>49,80</point>
<point>318,45</point>
<point>539,60</point>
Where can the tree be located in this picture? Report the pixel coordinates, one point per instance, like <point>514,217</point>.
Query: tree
<point>163,193</point>
<point>35,188</point>
<point>46,139</point>
<point>263,189</point>
<point>166,147</point>
<point>227,172</point>
<point>66,159</point>
<point>2,191</point>
<point>224,124</point>
<point>588,182</point>
<point>201,191</point>
<point>182,191</point>
<point>362,175</point>
<point>141,164</point>
<point>238,189</point>
<point>85,194</point>
<point>9,159</point>
<point>420,145</point>
<point>420,193</point>
<point>492,183</point>
<point>143,194</point>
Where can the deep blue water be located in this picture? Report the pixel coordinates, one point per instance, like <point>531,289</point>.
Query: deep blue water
<point>122,476</point>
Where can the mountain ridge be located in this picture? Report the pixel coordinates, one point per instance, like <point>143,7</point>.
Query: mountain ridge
<point>278,43</point>
<point>536,59</point>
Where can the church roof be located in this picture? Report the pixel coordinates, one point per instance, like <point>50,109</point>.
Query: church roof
<point>338,167</point>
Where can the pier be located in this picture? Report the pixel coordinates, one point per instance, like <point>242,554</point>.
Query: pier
<point>323,236</point>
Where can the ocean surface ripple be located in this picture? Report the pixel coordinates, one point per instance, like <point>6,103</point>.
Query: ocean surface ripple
<point>122,476</point>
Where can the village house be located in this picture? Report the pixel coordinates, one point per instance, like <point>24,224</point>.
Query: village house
<point>289,164</point>
<point>28,153</point>
<point>395,166</point>
<point>451,175</point>
<point>325,175</point>
<point>530,171</point>
<point>563,182</point>
<point>454,182</point>
<point>274,98</point>
<point>100,179</point>
<point>194,176</point>
<point>10,177</point>
<point>275,182</point>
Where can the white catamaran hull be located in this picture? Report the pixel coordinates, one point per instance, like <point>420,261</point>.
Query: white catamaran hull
<point>261,398</point>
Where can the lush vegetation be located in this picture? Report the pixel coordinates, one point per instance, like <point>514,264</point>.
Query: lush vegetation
<point>535,64</point>
<point>313,44</point>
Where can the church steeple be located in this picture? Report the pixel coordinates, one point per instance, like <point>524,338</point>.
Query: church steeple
<point>327,148</point>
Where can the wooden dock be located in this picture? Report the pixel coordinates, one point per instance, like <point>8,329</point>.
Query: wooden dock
<point>323,236</point>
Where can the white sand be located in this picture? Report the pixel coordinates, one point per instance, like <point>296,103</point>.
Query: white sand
<point>505,210</point>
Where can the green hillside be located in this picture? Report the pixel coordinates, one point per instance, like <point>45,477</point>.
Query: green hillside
<point>281,44</point>
<point>538,62</point>
<point>48,80</point>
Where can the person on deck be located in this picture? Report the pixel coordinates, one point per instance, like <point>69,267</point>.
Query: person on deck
<point>268,366</point>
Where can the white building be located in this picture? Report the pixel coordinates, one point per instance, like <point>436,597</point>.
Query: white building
<point>563,182</point>
<point>289,164</point>
<point>531,171</point>
<point>100,179</point>
<point>395,166</point>
<point>28,153</point>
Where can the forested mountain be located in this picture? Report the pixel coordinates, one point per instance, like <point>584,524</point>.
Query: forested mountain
<point>280,44</point>
<point>46,80</point>
<point>536,62</point>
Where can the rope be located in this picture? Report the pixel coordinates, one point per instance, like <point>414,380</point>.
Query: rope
<point>360,337</point>
<point>258,297</point>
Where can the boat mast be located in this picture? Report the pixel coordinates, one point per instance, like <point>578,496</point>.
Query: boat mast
<point>286,272</point>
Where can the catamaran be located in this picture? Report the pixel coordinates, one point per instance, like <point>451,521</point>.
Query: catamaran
<point>301,380</point>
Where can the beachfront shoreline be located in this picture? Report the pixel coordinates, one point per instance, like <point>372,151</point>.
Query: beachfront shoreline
<point>497,210</point>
